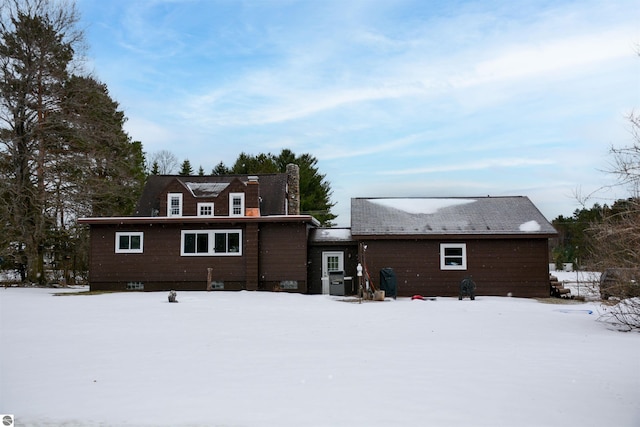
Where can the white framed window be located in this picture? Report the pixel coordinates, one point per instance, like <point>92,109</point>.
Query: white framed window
<point>211,243</point>
<point>130,242</point>
<point>205,209</point>
<point>236,204</point>
<point>453,256</point>
<point>174,204</point>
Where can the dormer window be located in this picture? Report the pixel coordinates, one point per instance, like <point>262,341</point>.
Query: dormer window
<point>205,209</point>
<point>174,204</point>
<point>236,204</point>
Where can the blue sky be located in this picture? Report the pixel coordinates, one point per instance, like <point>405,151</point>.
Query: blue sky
<point>394,98</point>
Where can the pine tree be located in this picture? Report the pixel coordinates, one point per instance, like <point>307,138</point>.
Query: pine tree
<point>220,169</point>
<point>37,43</point>
<point>186,169</point>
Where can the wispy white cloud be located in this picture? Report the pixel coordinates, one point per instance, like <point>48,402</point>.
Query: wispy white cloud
<point>472,166</point>
<point>550,58</point>
<point>285,91</point>
<point>333,151</point>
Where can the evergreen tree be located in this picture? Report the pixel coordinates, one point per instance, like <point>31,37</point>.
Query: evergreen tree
<point>262,163</point>
<point>220,169</point>
<point>573,242</point>
<point>186,169</point>
<point>104,165</point>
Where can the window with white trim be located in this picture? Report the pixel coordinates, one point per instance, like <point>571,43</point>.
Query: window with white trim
<point>236,204</point>
<point>205,209</point>
<point>130,242</point>
<point>211,243</point>
<point>453,256</point>
<point>174,204</point>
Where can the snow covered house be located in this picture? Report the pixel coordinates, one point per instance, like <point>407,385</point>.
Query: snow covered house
<point>243,232</point>
<point>433,243</point>
<point>205,232</point>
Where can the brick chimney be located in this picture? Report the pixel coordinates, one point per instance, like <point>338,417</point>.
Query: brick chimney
<point>252,197</point>
<point>293,189</point>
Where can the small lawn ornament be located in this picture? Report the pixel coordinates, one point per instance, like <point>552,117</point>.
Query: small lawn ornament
<point>172,296</point>
<point>467,288</point>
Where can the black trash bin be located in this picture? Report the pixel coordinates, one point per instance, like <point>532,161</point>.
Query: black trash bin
<point>336,283</point>
<point>389,282</point>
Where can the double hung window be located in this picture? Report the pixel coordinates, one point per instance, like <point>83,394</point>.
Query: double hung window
<point>174,204</point>
<point>453,256</point>
<point>236,204</point>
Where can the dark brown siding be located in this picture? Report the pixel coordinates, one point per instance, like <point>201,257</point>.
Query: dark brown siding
<point>221,205</point>
<point>283,255</point>
<point>274,255</point>
<point>516,267</point>
<point>251,250</point>
<point>160,267</point>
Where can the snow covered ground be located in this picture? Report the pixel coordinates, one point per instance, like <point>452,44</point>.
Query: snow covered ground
<point>277,359</point>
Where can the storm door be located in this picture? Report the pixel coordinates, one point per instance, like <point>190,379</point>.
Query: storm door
<point>331,261</point>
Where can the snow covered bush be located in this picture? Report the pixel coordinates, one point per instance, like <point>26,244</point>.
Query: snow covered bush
<point>625,314</point>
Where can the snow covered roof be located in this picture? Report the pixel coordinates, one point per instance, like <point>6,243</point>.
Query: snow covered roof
<point>206,189</point>
<point>447,216</point>
<point>331,235</point>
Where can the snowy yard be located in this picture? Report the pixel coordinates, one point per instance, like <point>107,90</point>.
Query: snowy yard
<point>276,359</point>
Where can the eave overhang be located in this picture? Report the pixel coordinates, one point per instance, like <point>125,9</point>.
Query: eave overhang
<point>135,220</point>
<point>453,236</point>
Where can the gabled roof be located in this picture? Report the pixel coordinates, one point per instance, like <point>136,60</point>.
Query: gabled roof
<point>273,190</point>
<point>482,216</point>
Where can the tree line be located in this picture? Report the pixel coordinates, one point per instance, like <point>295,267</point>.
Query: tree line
<point>582,238</point>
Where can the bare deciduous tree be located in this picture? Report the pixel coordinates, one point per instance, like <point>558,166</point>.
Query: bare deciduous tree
<point>165,160</point>
<point>616,239</point>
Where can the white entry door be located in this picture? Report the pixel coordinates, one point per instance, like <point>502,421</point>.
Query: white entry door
<point>331,261</point>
